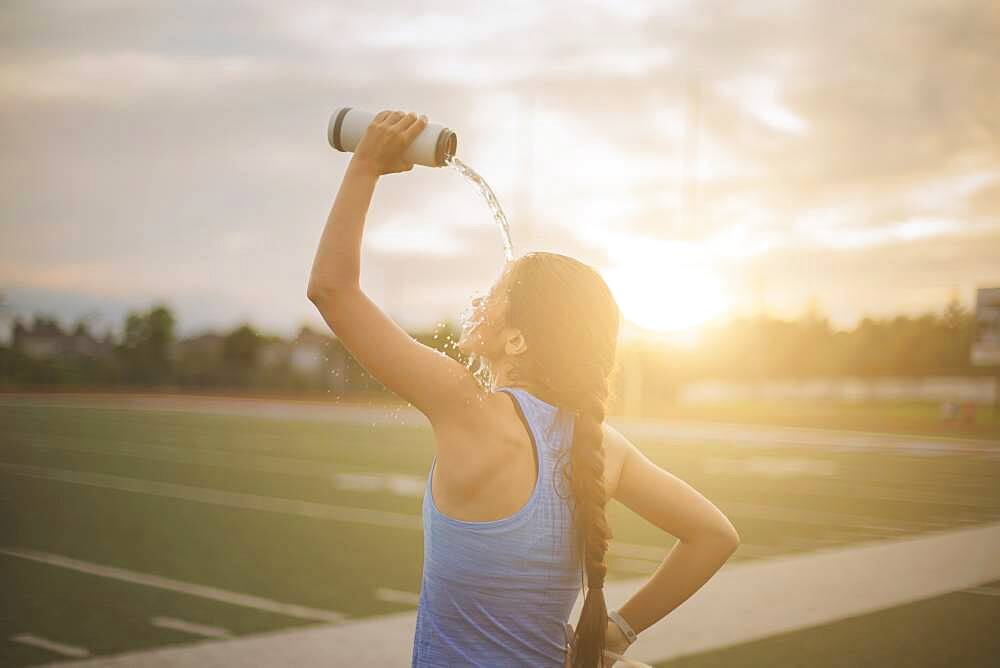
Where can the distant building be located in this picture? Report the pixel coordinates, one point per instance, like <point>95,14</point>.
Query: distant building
<point>274,352</point>
<point>986,347</point>
<point>45,339</point>
<point>204,346</point>
<point>312,353</point>
<point>308,351</point>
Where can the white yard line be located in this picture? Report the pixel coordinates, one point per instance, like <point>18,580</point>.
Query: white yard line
<point>400,484</point>
<point>744,601</point>
<point>50,645</point>
<point>190,588</point>
<point>221,498</point>
<point>397,596</point>
<point>183,626</point>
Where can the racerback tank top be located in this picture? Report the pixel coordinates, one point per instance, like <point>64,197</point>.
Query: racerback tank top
<point>499,593</point>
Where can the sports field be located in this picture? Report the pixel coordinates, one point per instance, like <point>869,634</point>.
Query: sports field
<point>137,525</point>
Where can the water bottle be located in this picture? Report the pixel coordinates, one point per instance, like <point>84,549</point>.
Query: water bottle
<point>432,147</point>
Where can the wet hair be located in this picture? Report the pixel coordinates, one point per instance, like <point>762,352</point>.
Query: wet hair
<point>570,322</point>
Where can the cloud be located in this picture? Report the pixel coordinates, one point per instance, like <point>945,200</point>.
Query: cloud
<point>153,148</point>
<point>902,276</point>
<point>112,78</point>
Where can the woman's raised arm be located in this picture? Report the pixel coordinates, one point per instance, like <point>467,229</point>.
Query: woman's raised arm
<point>437,385</point>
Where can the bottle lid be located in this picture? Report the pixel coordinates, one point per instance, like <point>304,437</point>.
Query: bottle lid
<point>447,144</point>
<point>333,129</point>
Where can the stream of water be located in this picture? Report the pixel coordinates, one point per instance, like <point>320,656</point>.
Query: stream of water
<point>491,199</point>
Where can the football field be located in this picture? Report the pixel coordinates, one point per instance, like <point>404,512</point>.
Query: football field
<point>138,524</point>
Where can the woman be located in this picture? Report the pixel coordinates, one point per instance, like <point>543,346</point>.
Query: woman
<point>514,507</point>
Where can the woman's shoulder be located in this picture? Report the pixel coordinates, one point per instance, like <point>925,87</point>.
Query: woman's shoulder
<point>483,441</point>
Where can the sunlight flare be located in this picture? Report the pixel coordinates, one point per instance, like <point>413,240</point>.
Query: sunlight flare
<point>665,286</point>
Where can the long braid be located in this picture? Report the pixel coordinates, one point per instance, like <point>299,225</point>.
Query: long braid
<point>592,529</point>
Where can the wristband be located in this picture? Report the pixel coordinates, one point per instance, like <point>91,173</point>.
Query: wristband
<point>623,625</point>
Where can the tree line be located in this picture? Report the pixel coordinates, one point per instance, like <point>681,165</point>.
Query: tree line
<point>149,354</point>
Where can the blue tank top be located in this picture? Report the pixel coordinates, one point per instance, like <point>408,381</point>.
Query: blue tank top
<point>499,593</point>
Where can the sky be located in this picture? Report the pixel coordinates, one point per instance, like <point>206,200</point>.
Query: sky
<point>709,158</point>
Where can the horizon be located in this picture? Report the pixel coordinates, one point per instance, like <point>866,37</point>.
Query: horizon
<point>630,332</point>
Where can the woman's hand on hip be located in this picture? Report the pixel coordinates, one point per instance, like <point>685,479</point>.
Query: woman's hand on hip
<point>614,641</point>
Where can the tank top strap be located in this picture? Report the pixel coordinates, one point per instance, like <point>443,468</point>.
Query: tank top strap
<point>547,421</point>
<point>534,421</point>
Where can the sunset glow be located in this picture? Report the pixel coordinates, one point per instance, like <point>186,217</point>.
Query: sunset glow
<point>666,287</point>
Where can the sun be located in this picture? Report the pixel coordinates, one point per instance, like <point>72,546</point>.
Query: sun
<point>665,287</point>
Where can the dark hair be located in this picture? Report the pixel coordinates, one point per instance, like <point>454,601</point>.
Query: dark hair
<point>570,322</point>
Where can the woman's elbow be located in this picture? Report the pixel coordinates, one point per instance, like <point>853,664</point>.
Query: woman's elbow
<point>316,291</point>
<point>724,534</point>
<point>319,293</point>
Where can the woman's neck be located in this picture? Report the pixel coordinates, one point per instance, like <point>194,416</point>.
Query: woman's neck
<point>502,378</point>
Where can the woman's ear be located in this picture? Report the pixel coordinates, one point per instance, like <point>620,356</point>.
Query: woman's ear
<point>515,343</point>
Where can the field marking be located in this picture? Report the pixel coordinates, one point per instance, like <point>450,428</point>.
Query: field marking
<point>395,483</point>
<point>400,484</point>
<point>190,588</point>
<point>51,645</point>
<point>983,591</point>
<point>743,602</point>
<point>275,409</point>
<point>312,509</point>
<point>190,627</point>
<point>397,596</point>
<point>759,511</point>
<point>400,416</point>
<point>409,485</point>
<point>771,466</point>
<point>217,497</point>
<point>645,559</point>
<point>635,550</point>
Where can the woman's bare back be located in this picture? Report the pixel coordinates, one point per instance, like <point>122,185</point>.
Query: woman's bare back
<point>504,478</point>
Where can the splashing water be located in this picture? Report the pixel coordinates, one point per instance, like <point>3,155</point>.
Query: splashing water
<point>471,318</point>
<point>491,199</point>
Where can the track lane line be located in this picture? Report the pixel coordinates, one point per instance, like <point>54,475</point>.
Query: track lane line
<point>190,588</point>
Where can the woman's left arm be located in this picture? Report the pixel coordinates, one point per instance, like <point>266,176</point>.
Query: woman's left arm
<point>437,385</point>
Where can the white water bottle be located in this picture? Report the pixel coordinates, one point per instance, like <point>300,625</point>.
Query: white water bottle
<point>432,147</point>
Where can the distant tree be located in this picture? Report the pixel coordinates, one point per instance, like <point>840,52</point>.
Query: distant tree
<point>145,349</point>
<point>958,323</point>
<point>46,324</point>
<point>240,349</point>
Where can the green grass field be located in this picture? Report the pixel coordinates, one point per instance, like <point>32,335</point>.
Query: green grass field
<point>279,509</point>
